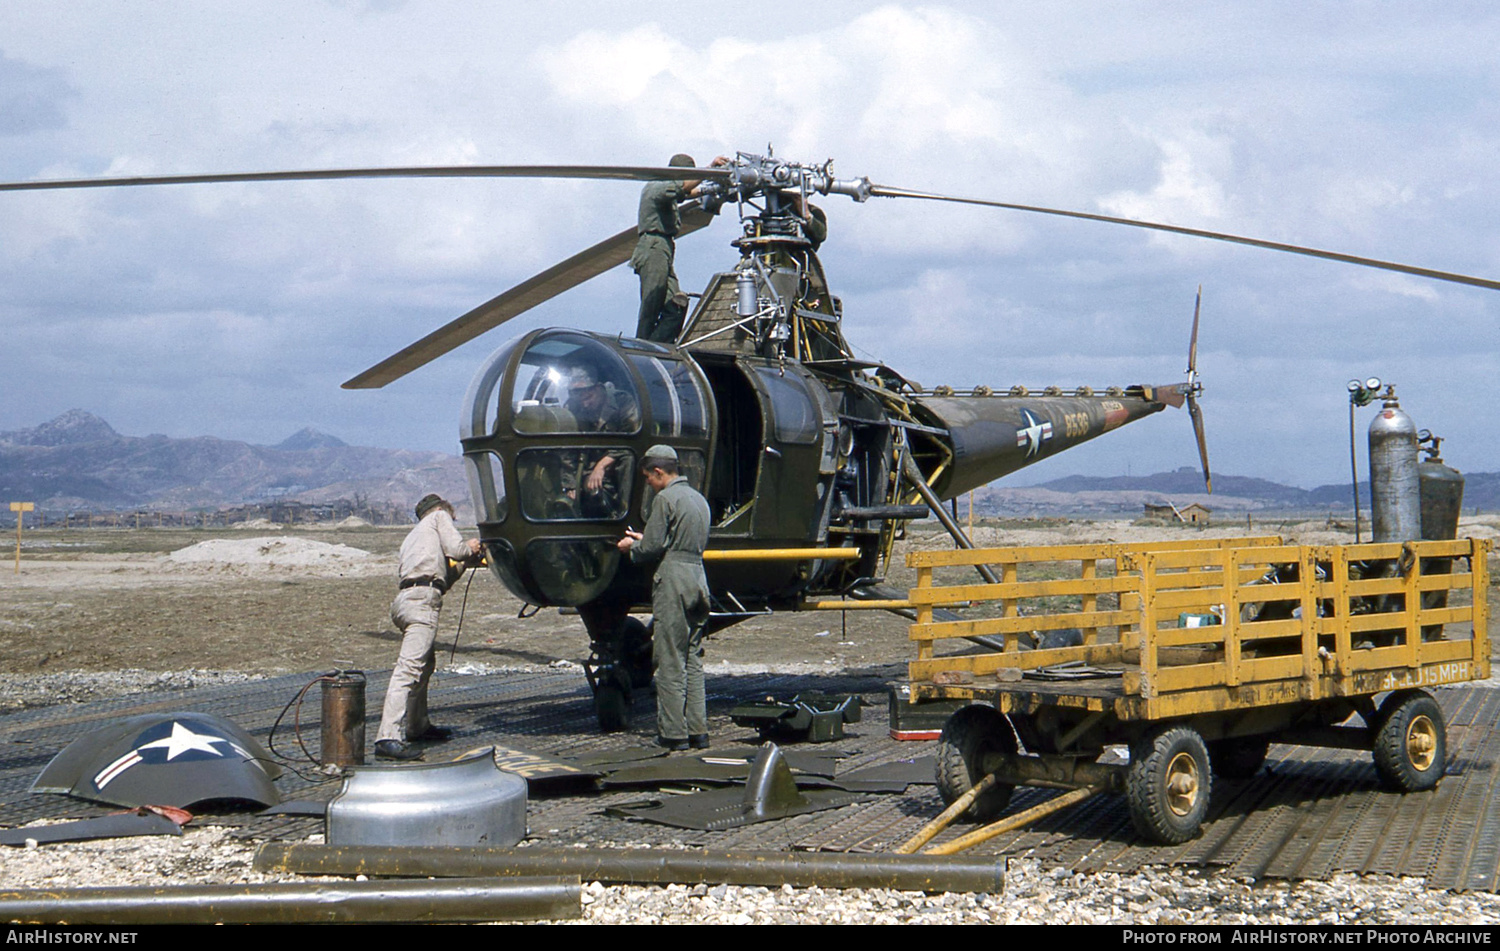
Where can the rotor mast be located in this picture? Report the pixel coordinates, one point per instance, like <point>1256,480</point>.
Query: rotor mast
<point>782,299</point>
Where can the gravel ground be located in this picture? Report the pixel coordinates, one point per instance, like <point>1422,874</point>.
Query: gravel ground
<point>1033,895</point>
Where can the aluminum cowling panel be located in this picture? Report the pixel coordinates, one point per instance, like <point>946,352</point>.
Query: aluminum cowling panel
<point>471,802</point>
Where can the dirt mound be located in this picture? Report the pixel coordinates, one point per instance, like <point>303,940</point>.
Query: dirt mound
<point>269,551</point>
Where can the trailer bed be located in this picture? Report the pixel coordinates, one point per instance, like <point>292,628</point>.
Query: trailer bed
<point>1196,655</point>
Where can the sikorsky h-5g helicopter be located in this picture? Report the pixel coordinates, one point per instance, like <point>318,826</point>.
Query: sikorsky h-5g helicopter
<point>812,460</point>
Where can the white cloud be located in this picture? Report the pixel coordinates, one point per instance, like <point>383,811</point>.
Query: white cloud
<point>1189,188</point>
<point>1293,122</point>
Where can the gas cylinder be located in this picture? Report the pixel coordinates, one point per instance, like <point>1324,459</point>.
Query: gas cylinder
<point>1442,493</point>
<point>1395,493</point>
<point>1442,498</point>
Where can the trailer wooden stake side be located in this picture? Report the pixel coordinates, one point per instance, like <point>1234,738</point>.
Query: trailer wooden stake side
<point>1196,655</point>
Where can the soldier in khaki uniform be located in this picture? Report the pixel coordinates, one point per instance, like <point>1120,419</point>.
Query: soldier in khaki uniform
<point>676,534</point>
<point>424,578</point>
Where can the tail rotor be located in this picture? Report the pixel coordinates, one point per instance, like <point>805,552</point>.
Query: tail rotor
<point>1193,387</point>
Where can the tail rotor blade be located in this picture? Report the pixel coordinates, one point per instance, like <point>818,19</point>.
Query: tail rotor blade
<point>1192,367</point>
<point>1196,412</point>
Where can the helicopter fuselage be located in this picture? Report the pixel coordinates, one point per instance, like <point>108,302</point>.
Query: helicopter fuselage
<point>807,469</point>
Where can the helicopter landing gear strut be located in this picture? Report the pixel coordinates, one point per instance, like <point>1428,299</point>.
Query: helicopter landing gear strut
<point>618,664</point>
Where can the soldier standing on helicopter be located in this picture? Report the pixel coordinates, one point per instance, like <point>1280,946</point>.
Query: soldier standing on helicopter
<point>663,305</point>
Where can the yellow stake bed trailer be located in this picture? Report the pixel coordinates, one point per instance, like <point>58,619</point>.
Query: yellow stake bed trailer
<point>1196,655</point>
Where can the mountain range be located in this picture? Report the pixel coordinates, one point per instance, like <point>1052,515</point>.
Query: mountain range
<point>1122,495</point>
<point>79,462</point>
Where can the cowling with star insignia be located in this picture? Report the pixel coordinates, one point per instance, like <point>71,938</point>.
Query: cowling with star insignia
<point>164,759</point>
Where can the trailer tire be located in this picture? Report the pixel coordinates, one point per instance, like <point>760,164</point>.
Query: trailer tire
<point>969,737</point>
<point>1411,747</point>
<point>1238,757</point>
<point>1167,785</point>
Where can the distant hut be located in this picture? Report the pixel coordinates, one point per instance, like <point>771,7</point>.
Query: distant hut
<point>1165,513</point>
<point>1193,514</point>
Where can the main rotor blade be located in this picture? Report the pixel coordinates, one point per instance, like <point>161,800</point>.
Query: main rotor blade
<point>543,287</point>
<point>607,172</point>
<point>887,192</point>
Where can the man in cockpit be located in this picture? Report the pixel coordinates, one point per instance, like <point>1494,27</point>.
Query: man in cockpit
<point>591,477</point>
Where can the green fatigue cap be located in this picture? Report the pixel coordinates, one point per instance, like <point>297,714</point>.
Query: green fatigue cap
<point>659,453</point>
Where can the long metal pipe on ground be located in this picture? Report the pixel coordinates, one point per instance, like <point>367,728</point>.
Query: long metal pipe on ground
<point>451,900</point>
<point>645,866</point>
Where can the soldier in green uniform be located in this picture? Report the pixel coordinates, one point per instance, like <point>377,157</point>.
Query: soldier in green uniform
<point>591,479</point>
<point>814,221</point>
<point>663,305</point>
<point>676,534</point>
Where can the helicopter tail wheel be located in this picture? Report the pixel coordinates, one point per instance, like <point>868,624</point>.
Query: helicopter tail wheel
<point>1411,744</point>
<point>1167,785</point>
<point>612,701</point>
<point>972,739</point>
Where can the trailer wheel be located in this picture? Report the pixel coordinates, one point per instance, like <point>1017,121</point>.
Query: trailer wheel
<point>1239,757</point>
<point>970,737</point>
<point>1167,785</point>
<point>1411,745</point>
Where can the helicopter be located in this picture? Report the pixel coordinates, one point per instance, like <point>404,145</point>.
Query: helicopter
<point>812,459</point>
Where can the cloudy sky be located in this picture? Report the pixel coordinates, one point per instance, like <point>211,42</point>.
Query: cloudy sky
<point>236,311</point>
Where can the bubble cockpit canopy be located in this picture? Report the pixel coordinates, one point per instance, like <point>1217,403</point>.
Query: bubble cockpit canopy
<point>557,421</point>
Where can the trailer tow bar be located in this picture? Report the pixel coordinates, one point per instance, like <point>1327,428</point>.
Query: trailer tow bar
<point>1000,827</point>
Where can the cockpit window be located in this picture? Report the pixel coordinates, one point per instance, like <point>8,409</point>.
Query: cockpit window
<point>486,485</point>
<point>689,466</point>
<point>796,413</point>
<point>572,571</point>
<point>677,405</point>
<point>585,483</point>
<point>568,383</point>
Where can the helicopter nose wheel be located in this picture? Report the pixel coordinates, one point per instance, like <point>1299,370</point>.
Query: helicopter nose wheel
<point>612,702</point>
<point>611,686</point>
<point>615,668</point>
<point>635,648</point>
